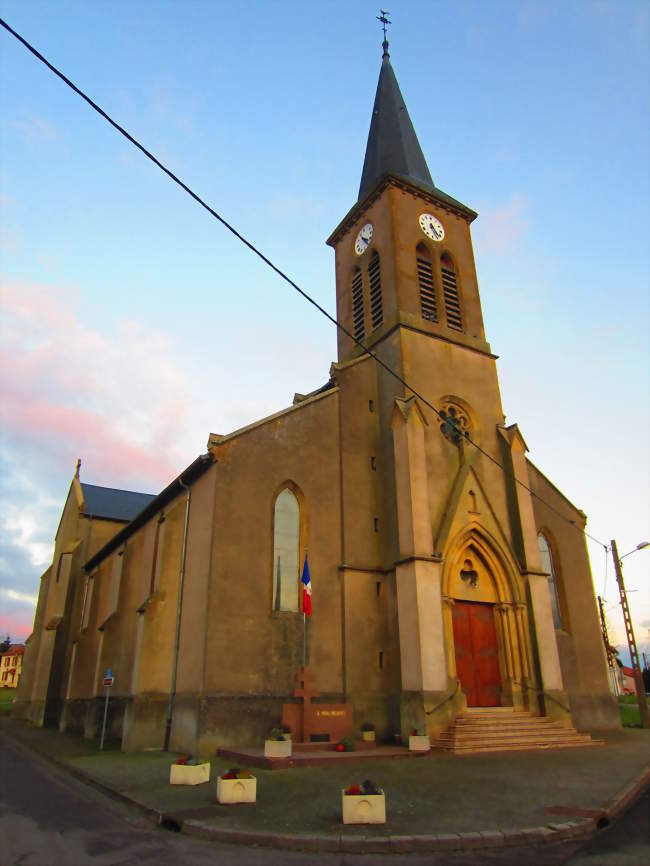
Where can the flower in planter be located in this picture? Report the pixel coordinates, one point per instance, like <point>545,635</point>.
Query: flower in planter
<point>417,732</point>
<point>340,747</point>
<point>277,734</point>
<point>187,760</point>
<point>236,773</point>
<point>367,726</point>
<point>367,788</point>
<point>347,743</point>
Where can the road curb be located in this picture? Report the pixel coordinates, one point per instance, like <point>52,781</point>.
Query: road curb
<point>340,842</point>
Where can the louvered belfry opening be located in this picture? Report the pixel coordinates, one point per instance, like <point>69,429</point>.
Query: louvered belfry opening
<point>374,277</point>
<point>428,303</point>
<point>358,324</point>
<point>450,293</point>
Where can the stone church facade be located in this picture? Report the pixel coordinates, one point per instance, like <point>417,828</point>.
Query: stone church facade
<point>446,569</point>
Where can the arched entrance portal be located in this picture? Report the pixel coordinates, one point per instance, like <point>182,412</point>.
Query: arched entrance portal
<point>486,623</point>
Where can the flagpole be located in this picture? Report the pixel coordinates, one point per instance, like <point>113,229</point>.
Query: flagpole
<point>304,626</point>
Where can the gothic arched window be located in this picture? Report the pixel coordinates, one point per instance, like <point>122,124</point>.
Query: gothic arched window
<point>358,324</point>
<point>428,303</point>
<point>547,566</point>
<point>374,277</point>
<point>286,551</point>
<point>450,293</point>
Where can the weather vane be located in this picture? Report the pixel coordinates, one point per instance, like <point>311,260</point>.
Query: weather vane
<point>385,22</point>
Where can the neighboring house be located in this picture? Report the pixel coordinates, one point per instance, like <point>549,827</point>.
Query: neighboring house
<point>444,575</point>
<point>629,683</point>
<point>11,666</point>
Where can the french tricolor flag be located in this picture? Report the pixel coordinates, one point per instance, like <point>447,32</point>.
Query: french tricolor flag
<point>306,589</point>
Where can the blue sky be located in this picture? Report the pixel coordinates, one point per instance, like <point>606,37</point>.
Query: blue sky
<point>133,324</point>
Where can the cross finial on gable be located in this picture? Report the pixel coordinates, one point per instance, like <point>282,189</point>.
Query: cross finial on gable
<point>76,474</point>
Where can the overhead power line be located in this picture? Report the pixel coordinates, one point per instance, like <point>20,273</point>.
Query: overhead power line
<point>280,272</point>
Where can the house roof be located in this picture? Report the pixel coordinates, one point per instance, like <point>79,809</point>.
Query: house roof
<point>15,650</point>
<point>112,504</point>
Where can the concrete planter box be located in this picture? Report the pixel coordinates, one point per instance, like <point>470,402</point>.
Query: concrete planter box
<point>368,736</point>
<point>189,774</point>
<point>277,748</point>
<point>237,790</point>
<point>419,744</point>
<point>363,808</point>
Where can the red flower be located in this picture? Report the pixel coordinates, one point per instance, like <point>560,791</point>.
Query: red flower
<point>353,789</point>
<point>340,747</point>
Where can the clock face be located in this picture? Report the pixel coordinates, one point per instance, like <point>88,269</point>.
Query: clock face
<point>363,239</point>
<point>432,227</point>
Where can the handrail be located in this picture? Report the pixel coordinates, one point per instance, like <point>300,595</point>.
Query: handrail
<point>443,702</point>
<point>546,694</point>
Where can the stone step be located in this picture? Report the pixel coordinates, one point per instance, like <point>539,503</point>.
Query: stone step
<point>511,723</point>
<point>458,742</point>
<point>498,729</point>
<point>523,747</point>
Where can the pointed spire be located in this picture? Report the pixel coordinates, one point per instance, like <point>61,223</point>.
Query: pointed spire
<point>393,146</point>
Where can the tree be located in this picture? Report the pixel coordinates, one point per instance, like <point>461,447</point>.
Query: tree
<point>646,679</point>
<point>6,643</point>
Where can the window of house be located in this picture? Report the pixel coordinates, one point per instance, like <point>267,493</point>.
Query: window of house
<point>358,324</point>
<point>374,277</point>
<point>428,303</point>
<point>450,293</point>
<point>547,566</point>
<point>286,551</point>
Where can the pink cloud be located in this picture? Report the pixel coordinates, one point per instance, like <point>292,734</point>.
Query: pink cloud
<point>65,386</point>
<point>17,625</point>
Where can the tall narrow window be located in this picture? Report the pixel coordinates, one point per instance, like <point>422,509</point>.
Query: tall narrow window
<point>374,277</point>
<point>450,292</point>
<point>428,305</point>
<point>286,542</point>
<point>547,566</point>
<point>357,306</point>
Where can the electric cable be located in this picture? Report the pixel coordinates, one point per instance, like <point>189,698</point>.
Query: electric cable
<point>282,274</point>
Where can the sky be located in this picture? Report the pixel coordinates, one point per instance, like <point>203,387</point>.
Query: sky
<point>132,324</point>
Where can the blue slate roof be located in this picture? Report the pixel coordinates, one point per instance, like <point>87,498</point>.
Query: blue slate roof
<point>114,504</point>
<point>393,146</point>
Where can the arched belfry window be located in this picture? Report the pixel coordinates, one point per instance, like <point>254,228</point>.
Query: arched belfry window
<point>547,566</point>
<point>358,324</point>
<point>374,277</point>
<point>286,551</point>
<point>428,304</point>
<point>450,293</point>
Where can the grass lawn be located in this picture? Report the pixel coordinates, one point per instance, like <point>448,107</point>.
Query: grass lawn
<point>629,710</point>
<point>6,699</point>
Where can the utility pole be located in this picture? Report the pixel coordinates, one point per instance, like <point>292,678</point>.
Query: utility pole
<point>631,642</point>
<point>608,650</point>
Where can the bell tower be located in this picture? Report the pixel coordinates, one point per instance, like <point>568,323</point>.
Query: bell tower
<point>404,254</point>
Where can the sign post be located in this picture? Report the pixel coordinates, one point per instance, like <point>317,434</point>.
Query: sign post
<point>108,682</point>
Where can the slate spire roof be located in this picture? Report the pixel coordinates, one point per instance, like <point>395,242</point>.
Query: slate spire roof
<point>393,146</point>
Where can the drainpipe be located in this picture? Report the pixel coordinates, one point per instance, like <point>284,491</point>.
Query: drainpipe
<point>179,608</point>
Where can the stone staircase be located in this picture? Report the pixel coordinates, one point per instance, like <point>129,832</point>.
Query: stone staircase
<point>501,729</point>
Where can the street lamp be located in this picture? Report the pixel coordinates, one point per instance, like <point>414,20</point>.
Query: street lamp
<point>639,546</point>
<point>631,642</point>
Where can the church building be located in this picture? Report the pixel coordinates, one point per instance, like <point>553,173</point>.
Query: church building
<point>447,571</point>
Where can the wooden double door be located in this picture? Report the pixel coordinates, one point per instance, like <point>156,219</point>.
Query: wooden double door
<point>477,656</point>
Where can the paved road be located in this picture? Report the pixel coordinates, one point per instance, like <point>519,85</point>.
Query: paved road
<point>49,819</point>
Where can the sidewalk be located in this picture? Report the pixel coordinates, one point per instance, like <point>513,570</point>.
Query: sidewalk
<point>437,802</point>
